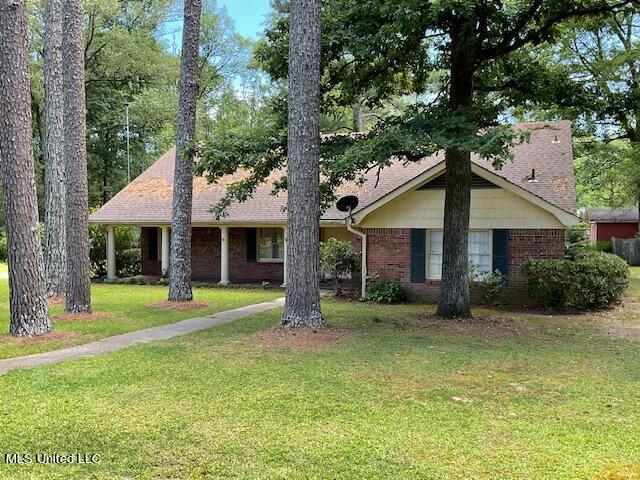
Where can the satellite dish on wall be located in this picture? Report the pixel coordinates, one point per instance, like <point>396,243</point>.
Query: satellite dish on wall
<point>347,203</point>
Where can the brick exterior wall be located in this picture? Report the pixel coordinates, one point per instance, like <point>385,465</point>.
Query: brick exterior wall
<point>205,258</point>
<point>527,244</point>
<point>389,255</point>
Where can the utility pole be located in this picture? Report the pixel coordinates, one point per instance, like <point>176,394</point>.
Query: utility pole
<point>126,113</point>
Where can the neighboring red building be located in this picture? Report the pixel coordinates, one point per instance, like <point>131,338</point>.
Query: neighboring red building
<point>612,222</point>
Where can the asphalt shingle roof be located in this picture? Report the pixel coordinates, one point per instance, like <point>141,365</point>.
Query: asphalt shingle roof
<point>612,215</point>
<point>148,199</point>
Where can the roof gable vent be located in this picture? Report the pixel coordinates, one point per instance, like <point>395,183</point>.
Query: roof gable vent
<point>439,183</point>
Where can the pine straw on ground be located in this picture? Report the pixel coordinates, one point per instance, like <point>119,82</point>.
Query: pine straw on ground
<point>67,317</point>
<point>301,338</point>
<point>56,301</point>
<point>47,337</point>
<point>484,327</point>
<point>180,306</point>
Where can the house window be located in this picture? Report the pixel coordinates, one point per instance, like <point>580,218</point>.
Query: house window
<point>435,254</point>
<point>479,252</point>
<point>270,244</point>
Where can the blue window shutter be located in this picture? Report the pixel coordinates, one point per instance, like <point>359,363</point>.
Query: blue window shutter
<point>418,252</point>
<point>251,245</point>
<point>501,251</point>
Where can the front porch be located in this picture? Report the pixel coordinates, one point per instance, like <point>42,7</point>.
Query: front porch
<point>220,254</point>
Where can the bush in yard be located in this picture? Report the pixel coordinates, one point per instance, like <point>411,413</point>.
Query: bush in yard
<point>603,247</point>
<point>338,260</point>
<point>128,257</point>
<point>592,281</point>
<point>492,286</point>
<point>384,292</point>
<point>129,262</point>
<point>3,247</point>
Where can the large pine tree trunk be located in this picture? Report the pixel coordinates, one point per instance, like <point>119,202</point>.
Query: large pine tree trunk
<point>302,305</point>
<point>454,294</point>
<point>77,223</point>
<point>27,297</point>
<point>55,259</point>
<point>180,270</point>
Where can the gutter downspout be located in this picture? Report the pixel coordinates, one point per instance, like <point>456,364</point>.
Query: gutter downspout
<point>363,267</point>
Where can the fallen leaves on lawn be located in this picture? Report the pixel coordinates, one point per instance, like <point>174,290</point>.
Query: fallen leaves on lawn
<point>462,399</point>
<point>484,327</point>
<point>66,317</point>
<point>180,306</point>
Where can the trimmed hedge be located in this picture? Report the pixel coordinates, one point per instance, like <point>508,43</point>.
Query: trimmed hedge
<point>592,281</point>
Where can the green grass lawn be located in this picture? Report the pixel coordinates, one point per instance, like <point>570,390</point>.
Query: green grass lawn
<point>398,395</point>
<point>120,309</point>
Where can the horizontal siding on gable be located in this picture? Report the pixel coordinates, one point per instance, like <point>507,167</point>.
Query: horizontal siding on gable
<point>490,208</point>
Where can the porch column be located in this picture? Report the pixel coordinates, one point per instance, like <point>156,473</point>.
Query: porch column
<point>111,252</point>
<point>284,264</point>
<point>164,269</point>
<point>224,255</point>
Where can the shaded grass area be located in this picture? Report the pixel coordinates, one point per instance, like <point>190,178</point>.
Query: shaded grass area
<point>120,309</point>
<point>399,396</point>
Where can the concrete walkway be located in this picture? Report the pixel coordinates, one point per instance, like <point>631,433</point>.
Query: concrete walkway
<point>147,335</point>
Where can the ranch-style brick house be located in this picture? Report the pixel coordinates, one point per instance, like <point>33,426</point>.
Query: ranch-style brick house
<point>517,213</point>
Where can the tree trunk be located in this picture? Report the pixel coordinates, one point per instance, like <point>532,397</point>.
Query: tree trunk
<point>302,304</point>
<point>77,226</point>
<point>358,116</point>
<point>454,293</point>
<point>55,261</point>
<point>27,295</point>
<point>180,270</point>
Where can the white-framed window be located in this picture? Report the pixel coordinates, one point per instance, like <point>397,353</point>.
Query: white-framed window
<point>434,254</point>
<point>270,244</point>
<point>479,252</point>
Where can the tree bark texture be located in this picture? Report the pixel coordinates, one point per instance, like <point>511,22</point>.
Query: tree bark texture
<point>454,293</point>
<point>180,264</point>
<point>78,289</point>
<point>302,304</point>
<point>55,258</point>
<point>27,295</point>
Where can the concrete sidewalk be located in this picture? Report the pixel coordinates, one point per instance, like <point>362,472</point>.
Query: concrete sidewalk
<point>147,335</point>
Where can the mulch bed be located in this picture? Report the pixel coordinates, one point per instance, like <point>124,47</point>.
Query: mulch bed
<point>180,306</point>
<point>47,337</point>
<point>56,301</point>
<point>301,338</point>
